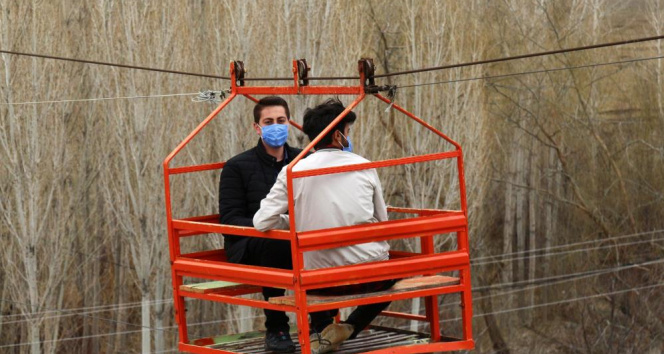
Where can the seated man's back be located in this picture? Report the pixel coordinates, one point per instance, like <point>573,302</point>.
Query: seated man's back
<point>327,201</point>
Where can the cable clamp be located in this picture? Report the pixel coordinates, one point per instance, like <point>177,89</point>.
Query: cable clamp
<point>210,96</point>
<point>391,95</point>
<point>376,89</point>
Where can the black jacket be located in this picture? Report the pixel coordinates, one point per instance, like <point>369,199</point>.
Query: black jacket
<point>245,180</point>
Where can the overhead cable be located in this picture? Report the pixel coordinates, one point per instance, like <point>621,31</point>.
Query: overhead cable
<point>546,249</point>
<point>414,71</point>
<point>556,279</point>
<point>560,302</point>
<point>532,72</point>
<point>495,258</point>
<point>571,300</point>
<point>530,283</point>
<point>96,317</point>
<point>567,252</point>
<point>523,56</point>
<point>171,328</point>
<point>99,99</point>
<point>126,66</point>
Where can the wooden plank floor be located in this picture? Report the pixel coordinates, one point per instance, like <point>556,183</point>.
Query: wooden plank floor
<point>371,339</point>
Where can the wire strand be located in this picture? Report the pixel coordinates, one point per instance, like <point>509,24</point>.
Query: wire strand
<point>533,72</point>
<point>126,66</point>
<point>171,328</point>
<point>570,300</point>
<point>523,56</point>
<point>121,306</point>
<point>553,303</point>
<point>98,99</point>
<point>91,316</point>
<point>567,252</point>
<point>571,244</point>
<point>414,71</point>
<point>557,280</point>
<point>559,302</point>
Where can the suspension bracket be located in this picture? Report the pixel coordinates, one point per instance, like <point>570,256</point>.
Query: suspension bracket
<point>238,68</point>
<point>303,72</point>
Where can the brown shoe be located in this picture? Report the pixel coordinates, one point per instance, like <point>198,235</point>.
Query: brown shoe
<point>330,338</point>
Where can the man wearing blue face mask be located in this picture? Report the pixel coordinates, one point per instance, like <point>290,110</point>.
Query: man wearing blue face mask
<point>245,180</point>
<point>328,201</point>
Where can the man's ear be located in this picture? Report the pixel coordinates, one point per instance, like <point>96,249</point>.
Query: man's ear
<point>336,138</point>
<point>257,128</point>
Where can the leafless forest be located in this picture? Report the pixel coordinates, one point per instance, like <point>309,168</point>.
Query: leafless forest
<point>564,162</point>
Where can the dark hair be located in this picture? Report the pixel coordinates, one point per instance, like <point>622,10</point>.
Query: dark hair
<point>267,102</point>
<point>318,118</point>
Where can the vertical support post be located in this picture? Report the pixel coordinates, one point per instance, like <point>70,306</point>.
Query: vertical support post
<point>180,310</point>
<point>431,302</point>
<point>466,295</point>
<point>302,320</point>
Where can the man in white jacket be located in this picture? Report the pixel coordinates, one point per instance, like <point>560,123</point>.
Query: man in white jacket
<point>327,201</point>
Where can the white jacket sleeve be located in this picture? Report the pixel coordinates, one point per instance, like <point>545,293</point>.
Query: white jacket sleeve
<point>380,209</point>
<point>272,214</point>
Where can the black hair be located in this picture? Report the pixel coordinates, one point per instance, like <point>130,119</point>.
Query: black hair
<point>318,118</point>
<point>267,102</point>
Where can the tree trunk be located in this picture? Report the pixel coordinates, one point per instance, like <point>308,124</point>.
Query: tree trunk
<point>532,227</point>
<point>34,336</point>
<point>160,288</point>
<point>499,344</point>
<point>34,330</point>
<point>145,321</point>
<point>117,341</point>
<point>508,229</point>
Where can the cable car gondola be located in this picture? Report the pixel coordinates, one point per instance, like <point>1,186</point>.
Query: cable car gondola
<point>420,271</point>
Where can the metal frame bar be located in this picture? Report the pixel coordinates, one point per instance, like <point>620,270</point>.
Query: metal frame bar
<point>211,264</point>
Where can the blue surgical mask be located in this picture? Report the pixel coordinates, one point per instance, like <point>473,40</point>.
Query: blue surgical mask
<point>348,148</point>
<point>274,135</point>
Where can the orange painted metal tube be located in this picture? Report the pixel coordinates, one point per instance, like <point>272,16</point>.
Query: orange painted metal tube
<point>390,269</point>
<point>347,235</point>
<point>229,229</point>
<point>419,120</point>
<point>238,301</point>
<point>172,241</point>
<point>376,164</point>
<point>196,168</point>
<point>238,273</point>
<point>302,90</point>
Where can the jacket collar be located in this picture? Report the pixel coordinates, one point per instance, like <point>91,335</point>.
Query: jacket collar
<point>269,159</point>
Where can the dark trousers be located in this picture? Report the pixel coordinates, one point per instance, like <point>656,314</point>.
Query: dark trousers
<point>361,317</point>
<point>271,253</point>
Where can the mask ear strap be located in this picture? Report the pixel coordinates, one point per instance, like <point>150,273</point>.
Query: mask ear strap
<point>345,138</point>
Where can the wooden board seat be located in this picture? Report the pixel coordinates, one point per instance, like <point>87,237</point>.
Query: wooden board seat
<point>218,286</point>
<point>417,283</point>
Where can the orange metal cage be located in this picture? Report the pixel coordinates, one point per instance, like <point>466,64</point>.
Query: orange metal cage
<point>212,264</point>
